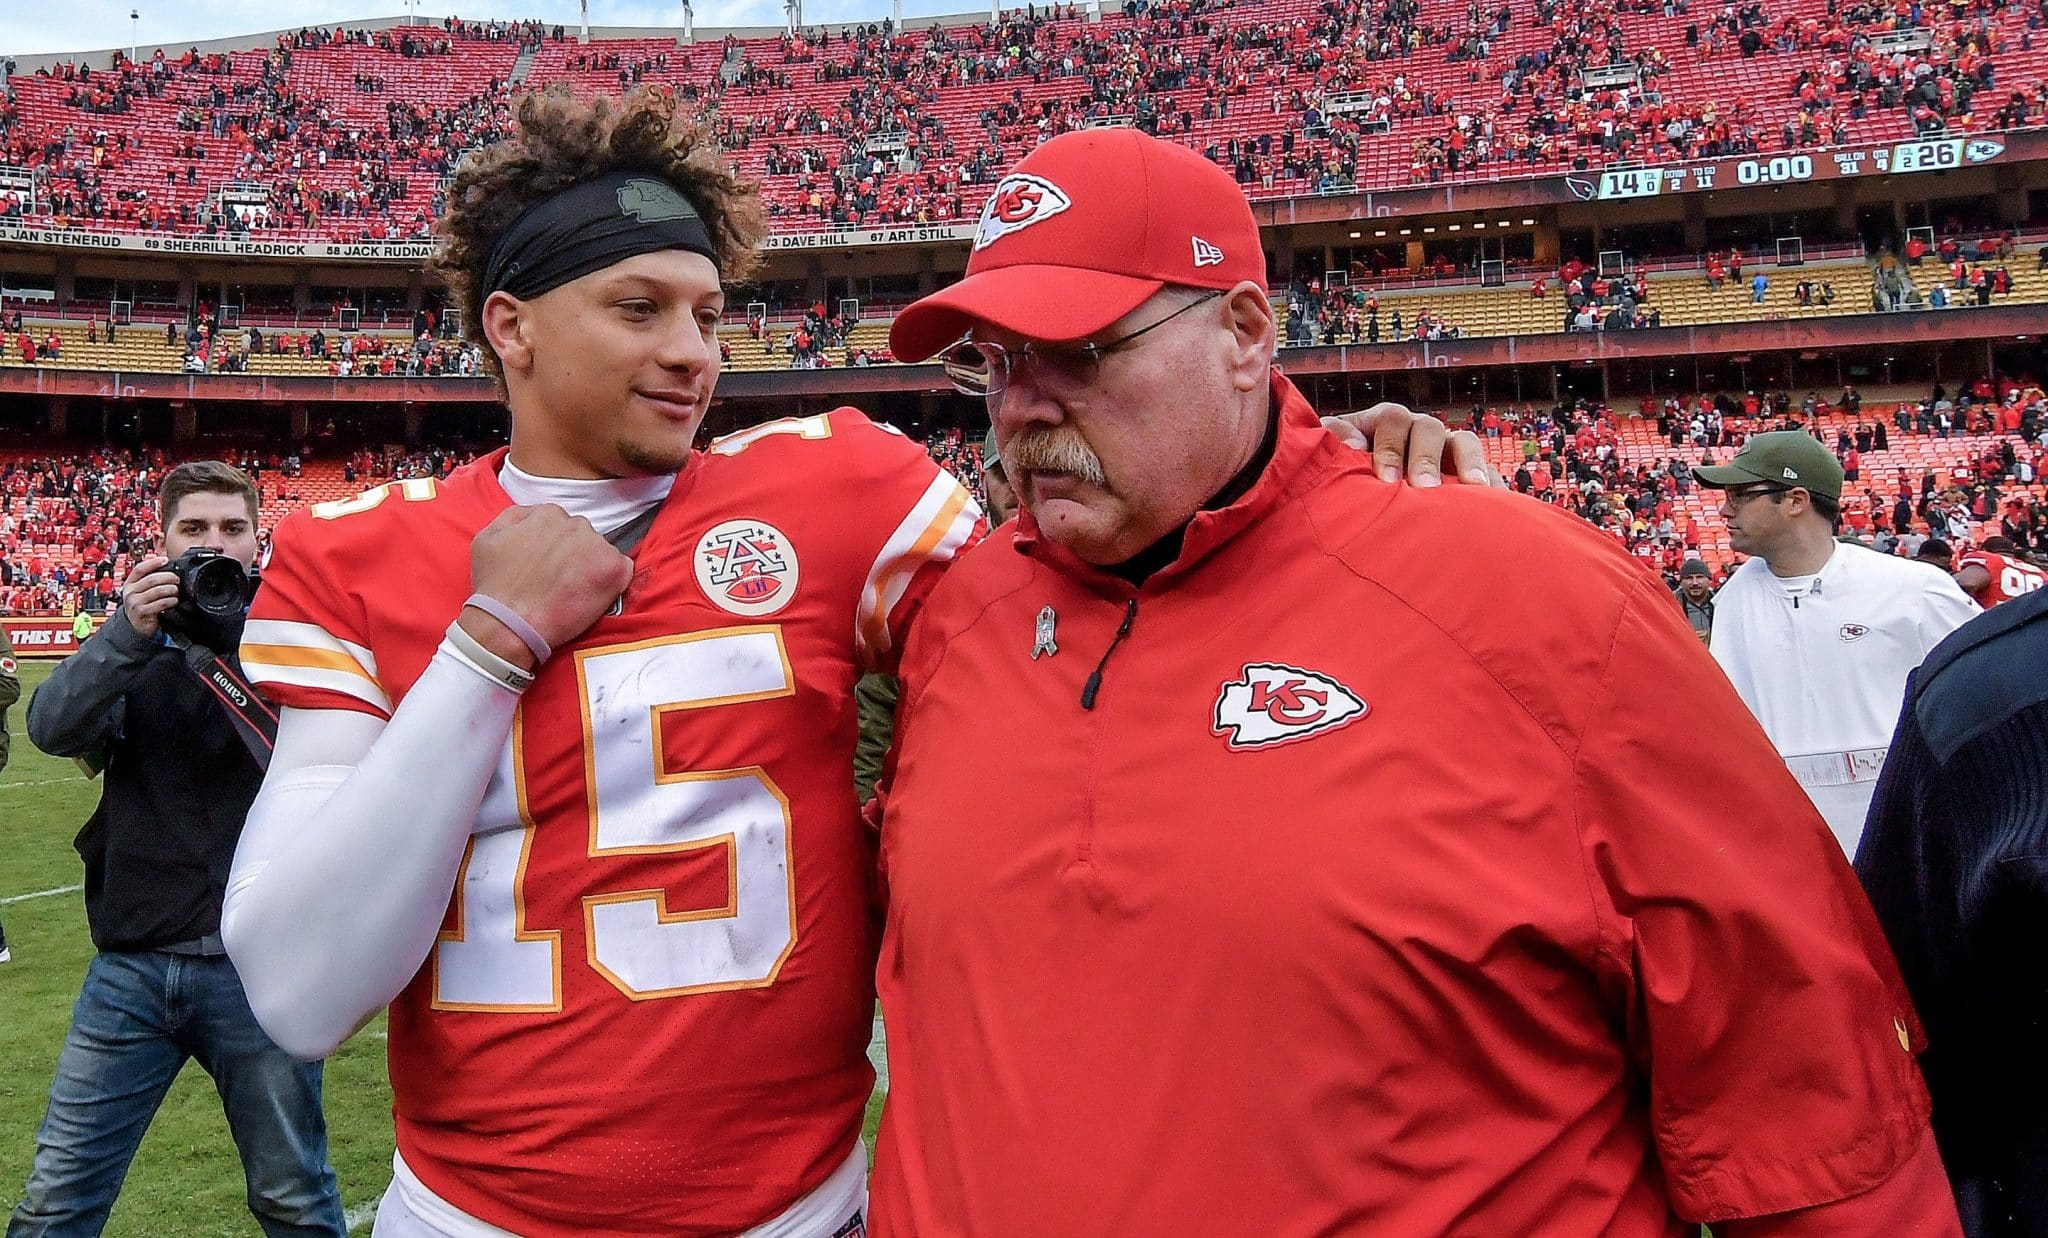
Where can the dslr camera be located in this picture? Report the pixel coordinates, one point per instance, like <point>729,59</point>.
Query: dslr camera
<point>214,592</point>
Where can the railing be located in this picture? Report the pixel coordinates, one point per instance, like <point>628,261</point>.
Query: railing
<point>42,307</point>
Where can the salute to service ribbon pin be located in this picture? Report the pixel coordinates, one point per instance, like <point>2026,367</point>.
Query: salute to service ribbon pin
<point>1042,643</point>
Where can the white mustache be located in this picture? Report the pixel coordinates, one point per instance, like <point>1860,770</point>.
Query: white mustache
<point>1052,451</point>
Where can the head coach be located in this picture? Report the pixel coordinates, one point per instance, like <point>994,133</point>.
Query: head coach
<point>1322,880</point>
<point>145,701</point>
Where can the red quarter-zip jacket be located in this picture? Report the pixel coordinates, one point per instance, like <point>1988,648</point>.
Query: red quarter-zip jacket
<point>1409,869</point>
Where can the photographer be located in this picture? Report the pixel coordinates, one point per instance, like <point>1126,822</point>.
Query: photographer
<point>10,692</point>
<point>143,701</point>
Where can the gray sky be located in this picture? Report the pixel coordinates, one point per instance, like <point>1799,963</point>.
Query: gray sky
<point>33,27</point>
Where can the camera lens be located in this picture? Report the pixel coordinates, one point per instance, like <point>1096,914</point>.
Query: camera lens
<point>217,587</point>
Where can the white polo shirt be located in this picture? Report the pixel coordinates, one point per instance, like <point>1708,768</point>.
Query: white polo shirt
<point>1822,662</point>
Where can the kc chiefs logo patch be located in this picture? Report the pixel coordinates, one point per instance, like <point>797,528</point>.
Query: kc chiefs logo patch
<point>1018,202</point>
<point>1277,704</point>
<point>747,567</point>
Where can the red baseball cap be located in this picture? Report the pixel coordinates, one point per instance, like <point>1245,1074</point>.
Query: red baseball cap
<point>1081,232</point>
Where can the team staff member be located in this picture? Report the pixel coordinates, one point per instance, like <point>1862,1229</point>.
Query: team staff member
<point>178,782</point>
<point>1235,934</point>
<point>1817,635</point>
<point>10,692</point>
<point>1956,861</point>
<point>1995,572</point>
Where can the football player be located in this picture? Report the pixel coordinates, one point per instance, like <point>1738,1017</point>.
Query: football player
<point>1994,573</point>
<point>562,765</point>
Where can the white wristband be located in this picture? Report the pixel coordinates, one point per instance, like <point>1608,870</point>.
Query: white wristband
<point>472,653</point>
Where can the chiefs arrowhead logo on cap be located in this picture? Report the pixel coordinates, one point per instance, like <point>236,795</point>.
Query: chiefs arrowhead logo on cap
<point>1019,201</point>
<point>1277,704</point>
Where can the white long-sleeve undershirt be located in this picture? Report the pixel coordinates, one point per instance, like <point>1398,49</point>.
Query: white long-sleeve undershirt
<point>343,874</point>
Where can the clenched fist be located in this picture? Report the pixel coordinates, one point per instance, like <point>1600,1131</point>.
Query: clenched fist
<point>553,569</point>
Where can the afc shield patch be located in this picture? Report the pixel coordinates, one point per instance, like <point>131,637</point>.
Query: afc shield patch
<point>746,567</point>
<point>1275,703</point>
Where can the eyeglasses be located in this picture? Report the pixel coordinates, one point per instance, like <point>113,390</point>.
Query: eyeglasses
<point>978,367</point>
<point>1736,498</point>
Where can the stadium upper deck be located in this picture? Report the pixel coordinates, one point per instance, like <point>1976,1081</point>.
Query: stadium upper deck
<point>346,136</point>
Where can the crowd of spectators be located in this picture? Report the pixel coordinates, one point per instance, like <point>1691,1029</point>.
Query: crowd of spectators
<point>1952,272</point>
<point>1340,313</point>
<point>1574,455</point>
<point>1499,85</point>
<point>814,342</point>
<point>70,524</point>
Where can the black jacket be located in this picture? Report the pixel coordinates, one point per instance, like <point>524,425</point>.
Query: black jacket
<point>10,691</point>
<point>178,785</point>
<point>1955,859</point>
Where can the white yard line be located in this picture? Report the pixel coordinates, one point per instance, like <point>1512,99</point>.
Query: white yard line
<point>23,898</point>
<point>354,1218</point>
<point>40,782</point>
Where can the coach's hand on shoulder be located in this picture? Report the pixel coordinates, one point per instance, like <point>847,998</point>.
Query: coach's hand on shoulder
<point>1418,445</point>
<point>148,592</point>
<point>553,569</point>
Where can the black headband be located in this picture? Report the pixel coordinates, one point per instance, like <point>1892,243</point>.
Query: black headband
<point>588,227</point>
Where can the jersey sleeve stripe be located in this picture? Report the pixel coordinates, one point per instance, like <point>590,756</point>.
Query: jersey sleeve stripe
<point>285,632</point>
<point>305,655</point>
<point>940,523</point>
<point>344,683</point>
<point>294,655</point>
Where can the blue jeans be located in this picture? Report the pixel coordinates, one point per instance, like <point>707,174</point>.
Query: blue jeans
<point>139,1017</point>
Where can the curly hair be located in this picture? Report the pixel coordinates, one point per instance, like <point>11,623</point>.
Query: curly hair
<point>561,139</point>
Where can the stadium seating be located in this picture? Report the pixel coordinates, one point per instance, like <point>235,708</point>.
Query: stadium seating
<point>105,498</point>
<point>1683,297</point>
<point>375,128</point>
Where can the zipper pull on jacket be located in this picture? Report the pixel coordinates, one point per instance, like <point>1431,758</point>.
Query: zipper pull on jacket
<point>1094,684</point>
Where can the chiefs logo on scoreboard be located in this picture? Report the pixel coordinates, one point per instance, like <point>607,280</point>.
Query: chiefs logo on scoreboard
<point>1277,704</point>
<point>1018,202</point>
<point>747,567</point>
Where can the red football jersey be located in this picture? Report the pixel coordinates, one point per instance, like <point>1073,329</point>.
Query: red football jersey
<point>649,1009</point>
<point>2010,577</point>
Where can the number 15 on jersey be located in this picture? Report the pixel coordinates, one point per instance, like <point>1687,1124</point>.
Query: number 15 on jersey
<point>636,804</point>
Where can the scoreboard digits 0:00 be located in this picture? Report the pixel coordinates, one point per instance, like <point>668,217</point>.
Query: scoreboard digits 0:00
<point>1778,170</point>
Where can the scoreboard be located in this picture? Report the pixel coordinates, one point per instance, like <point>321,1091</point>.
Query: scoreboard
<point>1791,168</point>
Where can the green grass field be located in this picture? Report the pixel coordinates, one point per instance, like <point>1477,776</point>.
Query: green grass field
<point>186,1180</point>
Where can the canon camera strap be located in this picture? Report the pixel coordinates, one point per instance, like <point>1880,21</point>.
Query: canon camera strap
<point>255,722</point>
